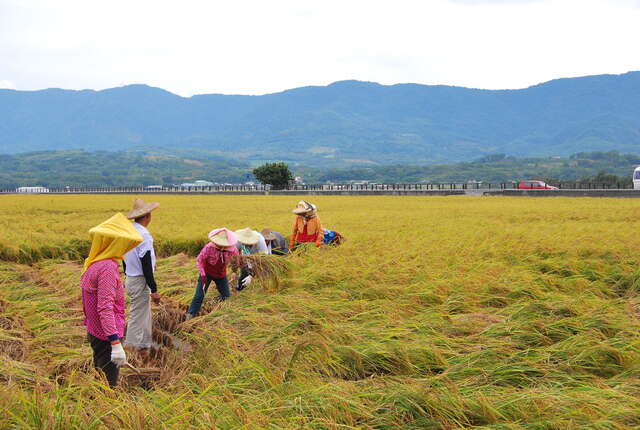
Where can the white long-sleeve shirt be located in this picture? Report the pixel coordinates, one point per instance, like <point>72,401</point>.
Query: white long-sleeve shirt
<point>132,258</point>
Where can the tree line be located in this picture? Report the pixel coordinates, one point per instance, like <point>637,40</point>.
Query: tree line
<point>93,169</point>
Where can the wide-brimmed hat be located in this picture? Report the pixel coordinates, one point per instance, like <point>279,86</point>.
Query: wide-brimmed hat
<point>246,236</point>
<point>223,237</point>
<point>304,207</point>
<point>141,208</point>
<point>268,234</point>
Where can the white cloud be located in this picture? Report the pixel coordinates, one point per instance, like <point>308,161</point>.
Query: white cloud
<point>6,84</point>
<point>255,47</point>
<point>501,2</point>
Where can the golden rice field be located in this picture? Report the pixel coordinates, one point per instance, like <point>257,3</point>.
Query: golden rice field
<point>437,313</point>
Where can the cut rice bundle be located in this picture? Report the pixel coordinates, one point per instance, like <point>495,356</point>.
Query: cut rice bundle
<point>268,268</point>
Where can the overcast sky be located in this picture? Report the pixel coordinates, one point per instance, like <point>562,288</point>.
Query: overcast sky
<point>258,46</point>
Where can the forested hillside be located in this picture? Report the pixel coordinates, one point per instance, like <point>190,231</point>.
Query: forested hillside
<point>81,168</point>
<point>344,124</point>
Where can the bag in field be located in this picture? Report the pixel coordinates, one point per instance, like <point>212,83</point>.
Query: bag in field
<point>332,237</point>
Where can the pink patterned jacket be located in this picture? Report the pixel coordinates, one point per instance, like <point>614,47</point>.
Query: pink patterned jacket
<point>213,261</point>
<point>103,300</point>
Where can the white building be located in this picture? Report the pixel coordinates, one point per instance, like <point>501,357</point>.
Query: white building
<point>32,190</point>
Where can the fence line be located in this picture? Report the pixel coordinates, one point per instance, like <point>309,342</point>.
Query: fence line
<point>443,186</point>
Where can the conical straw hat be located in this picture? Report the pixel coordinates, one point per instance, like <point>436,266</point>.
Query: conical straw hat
<point>268,234</point>
<point>140,208</point>
<point>303,207</point>
<point>223,237</point>
<point>246,236</point>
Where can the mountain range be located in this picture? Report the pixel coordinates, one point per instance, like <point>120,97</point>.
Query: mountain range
<point>343,124</point>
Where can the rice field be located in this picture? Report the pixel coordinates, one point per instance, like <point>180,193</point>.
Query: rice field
<point>436,313</point>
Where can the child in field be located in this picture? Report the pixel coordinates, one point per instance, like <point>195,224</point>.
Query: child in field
<point>103,293</point>
<point>306,227</point>
<point>212,266</point>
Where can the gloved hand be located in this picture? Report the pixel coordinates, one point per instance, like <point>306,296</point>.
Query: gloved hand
<point>246,281</point>
<point>118,357</point>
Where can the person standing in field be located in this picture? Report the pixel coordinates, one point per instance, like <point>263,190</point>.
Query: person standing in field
<point>103,293</point>
<point>140,284</point>
<point>276,243</point>
<point>250,242</point>
<point>306,226</point>
<point>212,263</point>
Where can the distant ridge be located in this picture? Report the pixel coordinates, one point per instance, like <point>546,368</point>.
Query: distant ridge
<point>344,123</point>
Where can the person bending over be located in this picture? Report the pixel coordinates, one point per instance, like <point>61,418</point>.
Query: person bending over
<point>212,262</point>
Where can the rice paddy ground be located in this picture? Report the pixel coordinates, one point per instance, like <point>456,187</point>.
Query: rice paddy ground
<point>436,313</point>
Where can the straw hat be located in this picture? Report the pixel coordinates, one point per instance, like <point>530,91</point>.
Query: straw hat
<point>268,234</point>
<point>246,236</point>
<point>223,237</point>
<point>303,207</point>
<point>141,208</point>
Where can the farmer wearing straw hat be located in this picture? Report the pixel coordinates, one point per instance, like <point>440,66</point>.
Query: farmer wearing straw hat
<point>306,226</point>
<point>103,293</point>
<point>140,284</point>
<point>250,242</point>
<point>212,262</point>
<point>276,243</point>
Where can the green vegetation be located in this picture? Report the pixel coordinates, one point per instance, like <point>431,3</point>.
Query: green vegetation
<point>92,169</point>
<point>277,175</point>
<point>602,167</point>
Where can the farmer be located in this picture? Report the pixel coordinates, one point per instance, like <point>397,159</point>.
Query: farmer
<point>250,242</point>
<point>103,293</point>
<point>306,226</point>
<point>276,243</point>
<point>212,266</point>
<point>139,265</point>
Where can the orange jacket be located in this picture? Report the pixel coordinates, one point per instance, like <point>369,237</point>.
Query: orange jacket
<point>313,226</point>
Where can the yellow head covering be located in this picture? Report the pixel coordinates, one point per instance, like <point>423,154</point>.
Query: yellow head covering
<point>112,239</point>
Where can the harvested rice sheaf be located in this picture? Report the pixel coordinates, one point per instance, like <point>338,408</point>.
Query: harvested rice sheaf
<point>168,315</point>
<point>269,269</point>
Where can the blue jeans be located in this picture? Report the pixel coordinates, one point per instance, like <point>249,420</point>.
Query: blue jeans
<point>222,284</point>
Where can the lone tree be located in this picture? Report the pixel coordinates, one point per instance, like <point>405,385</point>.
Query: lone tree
<point>277,175</point>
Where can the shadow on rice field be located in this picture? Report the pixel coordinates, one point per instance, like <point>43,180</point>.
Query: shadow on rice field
<point>441,313</point>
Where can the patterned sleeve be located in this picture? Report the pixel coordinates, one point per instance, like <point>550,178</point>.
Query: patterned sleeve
<point>108,279</point>
<point>201,259</point>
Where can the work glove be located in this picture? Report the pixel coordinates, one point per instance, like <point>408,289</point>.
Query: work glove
<point>246,281</point>
<point>118,357</point>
